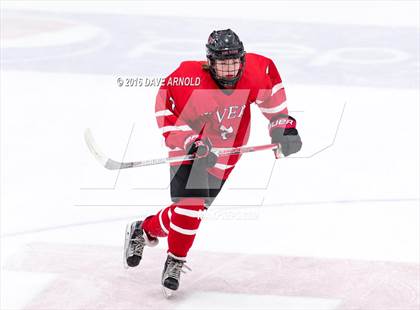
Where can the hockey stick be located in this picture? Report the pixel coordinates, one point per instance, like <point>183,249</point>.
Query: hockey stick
<point>115,165</point>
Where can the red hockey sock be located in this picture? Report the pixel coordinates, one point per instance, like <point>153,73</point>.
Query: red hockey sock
<point>158,225</point>
<point>184,222</point>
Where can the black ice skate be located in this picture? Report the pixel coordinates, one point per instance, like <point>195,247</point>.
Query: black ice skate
<point>135,240</point>
<point>171,274</point>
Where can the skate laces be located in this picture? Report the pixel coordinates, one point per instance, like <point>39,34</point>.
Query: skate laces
<point>175,267</point>
<point>137,244</point>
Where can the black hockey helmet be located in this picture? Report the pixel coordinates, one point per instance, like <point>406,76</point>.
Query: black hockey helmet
<point>222,45</point>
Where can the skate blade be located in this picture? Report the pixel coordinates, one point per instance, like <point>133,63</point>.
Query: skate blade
<point>167,293</point>
<point>126,241</point>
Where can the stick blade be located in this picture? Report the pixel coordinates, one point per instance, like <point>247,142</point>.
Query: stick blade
<point>116,165</point>
<point>93,148</point>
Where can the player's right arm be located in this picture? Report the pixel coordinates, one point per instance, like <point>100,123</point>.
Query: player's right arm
<point>175,130</point>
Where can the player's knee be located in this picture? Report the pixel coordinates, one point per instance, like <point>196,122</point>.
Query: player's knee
<point>188,213</point>
<point>191,203</point>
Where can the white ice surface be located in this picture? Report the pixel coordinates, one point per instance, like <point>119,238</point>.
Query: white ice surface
<point>370,12</point>
<point>263,302</point>
<point>20,287</point>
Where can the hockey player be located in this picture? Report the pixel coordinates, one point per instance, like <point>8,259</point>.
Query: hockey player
<point>196,119</point>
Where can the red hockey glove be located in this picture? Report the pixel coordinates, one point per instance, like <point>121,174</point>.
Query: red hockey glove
<point>283,131</point>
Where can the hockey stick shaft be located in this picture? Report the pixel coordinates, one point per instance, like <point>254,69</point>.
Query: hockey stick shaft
<point>115,165</point>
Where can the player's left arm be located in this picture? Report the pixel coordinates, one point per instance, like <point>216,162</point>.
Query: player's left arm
<point>272,103</point>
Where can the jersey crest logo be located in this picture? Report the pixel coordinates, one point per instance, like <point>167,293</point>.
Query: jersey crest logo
<point>224,132</point>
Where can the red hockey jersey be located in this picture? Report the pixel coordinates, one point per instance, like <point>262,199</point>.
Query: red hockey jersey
<point>190,105</point>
